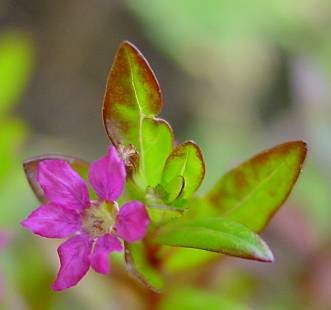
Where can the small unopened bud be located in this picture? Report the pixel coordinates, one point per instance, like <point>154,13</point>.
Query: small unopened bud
<point>130,156</point>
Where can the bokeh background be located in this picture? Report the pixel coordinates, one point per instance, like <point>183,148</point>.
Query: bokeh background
<point>237,77</point>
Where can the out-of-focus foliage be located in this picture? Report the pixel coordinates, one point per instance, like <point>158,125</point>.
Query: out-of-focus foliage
<point>210,27</point>
<point>15,63</point>
<point>15,67</point>
<point>11,136</point>
<point>196,299</point>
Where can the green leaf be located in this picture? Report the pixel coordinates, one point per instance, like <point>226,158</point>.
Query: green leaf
<point>12,134</point>
<point>174,188</point>
<point>217,235</point>
<point>139,266</point>
<point>132,94</point>
<point>31,170</point>
<point>157,142</point>
<point>187,258</point>
<point>16,58</point>
<point>165,195</point>
<point>132,101</point>
<point>185,161</point>
<point>251,193</point>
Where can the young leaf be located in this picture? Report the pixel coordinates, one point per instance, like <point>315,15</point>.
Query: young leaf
<point>217,235</point>
<point>174,188</point>
<point>185,161</point>
<point>157,143</point>
<point>31,170</point>
<point>131,103</point>
<point>140,268</point>
<point>251,193</point>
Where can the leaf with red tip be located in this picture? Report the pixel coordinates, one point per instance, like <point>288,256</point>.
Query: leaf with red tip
<point>31,170</point>
<point>131,103</point>
<point>252,192</point>
<point>132,94</point>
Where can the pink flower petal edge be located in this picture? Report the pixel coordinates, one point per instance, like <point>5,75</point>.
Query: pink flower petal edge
<point>132,221</point>
<point>52,221</point>
<point>62,185</point>
<point>74,259</point>
<point>107,175</point>
<point>100,257</point>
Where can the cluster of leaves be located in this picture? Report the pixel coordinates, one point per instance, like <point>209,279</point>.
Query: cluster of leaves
<point>165,175</point>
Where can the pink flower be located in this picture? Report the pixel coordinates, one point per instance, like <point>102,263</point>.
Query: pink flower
<point>94,226</point>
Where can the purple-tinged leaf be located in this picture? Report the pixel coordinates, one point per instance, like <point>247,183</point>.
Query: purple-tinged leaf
<point>31,171</point>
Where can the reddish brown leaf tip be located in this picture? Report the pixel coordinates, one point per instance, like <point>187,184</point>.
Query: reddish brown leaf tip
<point>142,61</point>
<point>127,55</point>
<point>200,156</point>
<point>291,145</point>
<point>284,148</point>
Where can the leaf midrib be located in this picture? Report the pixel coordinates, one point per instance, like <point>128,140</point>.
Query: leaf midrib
<point>234,238</point>
<point>251,193</point>
<point>141,115</point>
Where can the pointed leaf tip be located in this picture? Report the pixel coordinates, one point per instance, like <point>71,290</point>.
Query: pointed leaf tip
<point>267,256</point>
<point>252,192</point>
<point>132,93</point>
<point>131,104</point>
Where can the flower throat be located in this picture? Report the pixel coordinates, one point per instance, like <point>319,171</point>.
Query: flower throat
<point>99,219</point>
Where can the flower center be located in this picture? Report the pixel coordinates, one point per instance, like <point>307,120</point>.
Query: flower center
<point>99,219</point>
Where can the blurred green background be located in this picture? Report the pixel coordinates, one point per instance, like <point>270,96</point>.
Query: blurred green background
<point>237,77</point>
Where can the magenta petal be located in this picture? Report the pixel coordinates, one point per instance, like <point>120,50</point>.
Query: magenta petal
<point>52,221</point>
<point>107,175</point>
<point>62,185</point>
<point>103,247</point>
<point>74,259</point>
<point>132,221</point>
